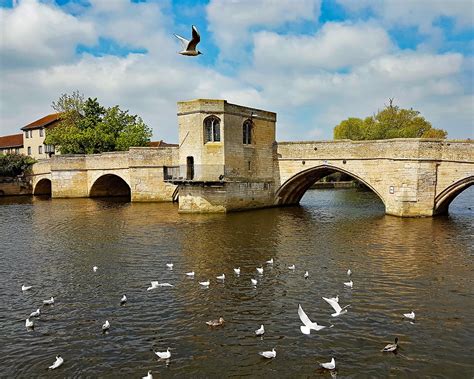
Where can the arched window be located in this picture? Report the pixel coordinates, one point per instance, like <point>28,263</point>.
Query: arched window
<point>212,129</point>
<point>247,132</point>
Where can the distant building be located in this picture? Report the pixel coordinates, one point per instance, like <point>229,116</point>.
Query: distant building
<point>161,144</point>
<point>34,135</point>
<point>11,144</point>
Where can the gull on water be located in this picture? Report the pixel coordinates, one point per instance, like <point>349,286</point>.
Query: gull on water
<point>164,354</point>
<point>35,313</point>
<point>189,47</point>
<point>336,307</point>
<point>106,326</point>
<point>190,274</point>
<point>306,275</point>
<point>217,322</point>
<point>270,262</point>
<point>170,265</point>
<point>268,354</point>
<point>260,331</point>
<point>260,270</point>
<point>391,347</point>
<point>49,301</point>
<point>221,277</point>
<point>308,324</point>
<point>29,323</point>
<point>254,281</point>
<point>292,267</point>
<point>411,315</point>
<point>154,284</point>
<point>123,300</point>
<point>59,361</point>
<point>349,284</point>
<point>329,365</point>
<point>349,272</point>
<point>25,288</point>
<point>237,271</point>
<point>205,284</point>
<point>148,376</point>
<point>95,268</point>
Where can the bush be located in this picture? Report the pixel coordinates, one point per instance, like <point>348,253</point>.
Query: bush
<point>15,164</point>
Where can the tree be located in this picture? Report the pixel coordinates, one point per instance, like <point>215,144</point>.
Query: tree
<point>391,122</point>
<point>15,164</point>
<point>86,127</point>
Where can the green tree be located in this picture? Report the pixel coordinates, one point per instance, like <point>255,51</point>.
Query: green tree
<point>87,127</point>
<point>15,164</point>
<point>390,122</point>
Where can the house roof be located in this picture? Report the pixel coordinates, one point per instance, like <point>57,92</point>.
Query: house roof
<point>43,122</point>
<point>161,144</point>
<point>14,140</point>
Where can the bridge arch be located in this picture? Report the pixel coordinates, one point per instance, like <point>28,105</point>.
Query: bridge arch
<point>110,185</point>
<point>293,189</point>
<point>445,198</point>
<point>43,187</point>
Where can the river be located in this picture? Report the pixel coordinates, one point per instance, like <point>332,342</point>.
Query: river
<point>398,265</point>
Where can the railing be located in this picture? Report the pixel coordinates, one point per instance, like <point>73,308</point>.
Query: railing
<point>211,173</point>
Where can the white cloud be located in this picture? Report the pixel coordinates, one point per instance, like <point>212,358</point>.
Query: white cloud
<point>334,46</point>
<point>231,21</point>
<point>35,34</point>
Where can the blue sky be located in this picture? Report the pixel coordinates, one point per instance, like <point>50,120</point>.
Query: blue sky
<point>314,62</point>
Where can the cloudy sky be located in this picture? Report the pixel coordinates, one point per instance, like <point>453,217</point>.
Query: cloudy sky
<point>314,62</point>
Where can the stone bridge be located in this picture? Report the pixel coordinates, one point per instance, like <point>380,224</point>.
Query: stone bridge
<point>412,177</point>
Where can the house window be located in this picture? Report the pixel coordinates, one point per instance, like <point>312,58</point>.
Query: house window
<point>247,132</point>
<point>29,150</point>
<point>40,149</point>
<point>41,132</point>
<point>31,133</point>
<point>212,129</point>
<point>26,134</point>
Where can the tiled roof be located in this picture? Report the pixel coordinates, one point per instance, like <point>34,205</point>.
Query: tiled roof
<point>43,122</point>
<point>14,140</point>
<point>161,144</point>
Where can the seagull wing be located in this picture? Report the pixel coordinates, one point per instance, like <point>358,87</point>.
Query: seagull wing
<point>154,284</point>
<point>333,304</point>
<point>184,41</point>
<point>303,317</point>
<point>195,40</point>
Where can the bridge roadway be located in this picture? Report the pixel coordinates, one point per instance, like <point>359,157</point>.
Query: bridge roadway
<point>412,177</point>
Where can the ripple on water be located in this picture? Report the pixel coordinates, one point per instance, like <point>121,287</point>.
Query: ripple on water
<point>398,265</point>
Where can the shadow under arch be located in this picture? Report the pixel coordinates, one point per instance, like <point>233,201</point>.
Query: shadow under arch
<point>445,198</point>
<point>43,187</point>
<point>110,185</point>
<point>291,192</point>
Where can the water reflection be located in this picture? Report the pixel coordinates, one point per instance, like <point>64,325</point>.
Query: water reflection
<point>398,265</point>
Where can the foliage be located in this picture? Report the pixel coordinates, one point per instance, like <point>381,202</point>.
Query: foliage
<point>86,127</point>
<point>391,122</point>
<point>15,164</point>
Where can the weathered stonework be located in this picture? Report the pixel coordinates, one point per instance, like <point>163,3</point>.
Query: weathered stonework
<point>413,177</point>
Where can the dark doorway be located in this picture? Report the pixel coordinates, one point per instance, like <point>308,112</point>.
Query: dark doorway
<point>189,168</point>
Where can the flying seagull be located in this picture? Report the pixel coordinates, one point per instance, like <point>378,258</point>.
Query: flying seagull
<point>189,47</point>
<point>123,300</point>
<point>411,315</point>
<point>237,271</point>
<point>35,313</point>
<point>308,324</point>
<point>25,288</point>
<point>336,307</point>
